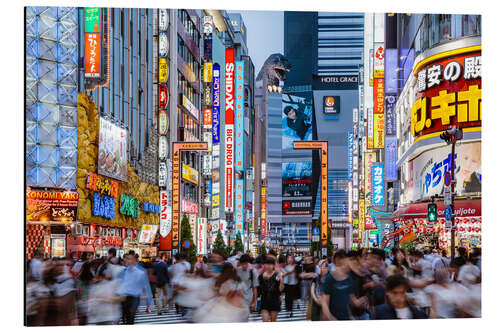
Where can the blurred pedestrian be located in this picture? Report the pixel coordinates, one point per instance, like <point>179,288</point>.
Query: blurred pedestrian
<point>270,288</point>
<point>104,301</point>
<point>161,274</point>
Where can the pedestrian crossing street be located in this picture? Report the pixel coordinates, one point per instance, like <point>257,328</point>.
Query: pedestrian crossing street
<point>171,317</point>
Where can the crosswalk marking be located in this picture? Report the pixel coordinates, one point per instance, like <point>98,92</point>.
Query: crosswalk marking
<point>171,317</point>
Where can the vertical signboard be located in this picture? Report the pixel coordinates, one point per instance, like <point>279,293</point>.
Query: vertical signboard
<point>370,158</point>
<point>378,114</point>
<point>201,236</point>
<point>350,144</point>
<point>216,104</point>
<point>361,218</point>
<point>239,147</point>
<point>92,55</point>
<point>176,174</point>
<point>378,185</point>
<point>323,145</point>
<point>369,128</point>
<point>390,115</point>
<point>263,212</point>
<point>391,156</point>
<point>165,215</point>
<point>92,19</point>
<point>229,131</point>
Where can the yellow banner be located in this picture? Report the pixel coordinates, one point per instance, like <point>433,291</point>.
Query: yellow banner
<point>379,131</point>
<point>163,74</point>
<point>189,174</point>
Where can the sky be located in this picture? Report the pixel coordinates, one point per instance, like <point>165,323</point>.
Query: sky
<point>264,34</point>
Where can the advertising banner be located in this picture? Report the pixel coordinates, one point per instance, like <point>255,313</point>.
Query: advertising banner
<point>162,174</point>
<point>208,24</point>
<point>186,103</point>
<point>239,148</point>
<point>361,215</point>
<point>379,131</point>
<point>216,104</point>
<point>378,61</point>
<point>369,129</point>
<point>378,114</point>
<point>162,147</point>
<point>148,232</point>
<point>163,71</point>
<point>350,144</point>
<point>391,157</point>
<point>391,73</point>
<point>189,207</point>
<point>207,72</point>
<point>189,174</point>
<point>297,207</point>
<point>92,19</point>
<point>162,121</point>
<point>390,115</point>
<point>112,161</point>
<point>448,93</point>
<point>201,244</point>
<point>263,212</point>
<point>296,120</point>
<point>229,131</point>
<point>207,118</point>
<point>296,179</point>
<point>162,19</point>
<point>429,168</point>
<point>92,55</point>
<point>165,214</point>
<point>51,206</point>
<point>162,96</point>
<point>331,105</point>
<point>370,158</point>
<point>378,184</point>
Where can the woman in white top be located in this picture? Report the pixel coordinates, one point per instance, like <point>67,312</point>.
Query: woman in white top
<point>104,302</point>
<point>448,298</point>
<point>229,304</point>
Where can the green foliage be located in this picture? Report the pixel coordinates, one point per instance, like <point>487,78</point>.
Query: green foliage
<point>186,234</point>
<point>219,243</point>
<point>262,249</point>
<point>238,244</point>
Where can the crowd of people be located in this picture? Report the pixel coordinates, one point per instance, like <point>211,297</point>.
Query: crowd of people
<point>355,285</point>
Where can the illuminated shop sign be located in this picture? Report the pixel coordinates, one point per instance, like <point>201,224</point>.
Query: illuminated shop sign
<point>448,93</point>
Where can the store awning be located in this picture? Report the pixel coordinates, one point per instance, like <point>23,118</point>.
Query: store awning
<point>463,208</point>
<point>407,238</point>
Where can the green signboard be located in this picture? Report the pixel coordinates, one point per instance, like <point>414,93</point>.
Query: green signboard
<point>373,232</point>
<point>92,19</point>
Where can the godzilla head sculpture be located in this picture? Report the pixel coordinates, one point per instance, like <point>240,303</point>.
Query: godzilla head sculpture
<point>274,69</point>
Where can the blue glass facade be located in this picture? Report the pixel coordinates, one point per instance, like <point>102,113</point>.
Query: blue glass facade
<point>51,96</point>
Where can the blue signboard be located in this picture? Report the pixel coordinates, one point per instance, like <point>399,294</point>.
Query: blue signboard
<point>391,75</point>
<point>391,157</point>
<point>378,184</point>
<point>215,104</point>
<point>239,149</point>
<point>390,114</point>
<point>316,231</point>
<point>350,144</point>
<point>104,207</point>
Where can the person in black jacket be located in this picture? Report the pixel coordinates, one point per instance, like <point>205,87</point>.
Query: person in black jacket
<point>397,305</point>
<point>297,120</point>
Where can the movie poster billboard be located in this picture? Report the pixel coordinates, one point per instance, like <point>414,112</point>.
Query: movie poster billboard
<point>429,168</point>
<point>296,120</point>
<point>112,160</point>
<point>296,179</point>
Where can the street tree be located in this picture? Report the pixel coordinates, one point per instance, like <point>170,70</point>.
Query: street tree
<point>186,234</point>
<point>219,243</point>
<point>238,244</point>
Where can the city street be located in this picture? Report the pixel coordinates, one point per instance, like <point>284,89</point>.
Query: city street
<point>335,159</point>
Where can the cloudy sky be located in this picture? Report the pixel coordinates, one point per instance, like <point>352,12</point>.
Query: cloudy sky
<point>264,34</point>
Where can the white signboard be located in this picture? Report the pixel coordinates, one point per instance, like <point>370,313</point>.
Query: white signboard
<point>208,24</point>
<point>426,172</point>
<point>163,44</point>
<point>162,147</point>
<point>165,214</point>
<point>207,165</point>
<point>148,232</point>
<point>162,19</point>
<point>162,174</point>
<point>201,236</point>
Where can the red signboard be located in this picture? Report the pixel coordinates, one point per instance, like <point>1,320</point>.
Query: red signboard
<point>448,93</point>
<point>229,118</point>
<point>92,55</point>
<point>163,95</point>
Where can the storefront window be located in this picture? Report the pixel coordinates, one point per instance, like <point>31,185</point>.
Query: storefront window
<point>470,25</point>
<point>444,27</point>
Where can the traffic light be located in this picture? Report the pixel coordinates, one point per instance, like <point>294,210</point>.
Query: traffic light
<point>432,212</point>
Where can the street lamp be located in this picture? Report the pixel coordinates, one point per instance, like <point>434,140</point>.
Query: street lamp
<point>451,136</point>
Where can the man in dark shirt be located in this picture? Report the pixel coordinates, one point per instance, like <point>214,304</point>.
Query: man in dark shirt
<point>161,273</point>
<point>337,292</point>
<point>397,306</point>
